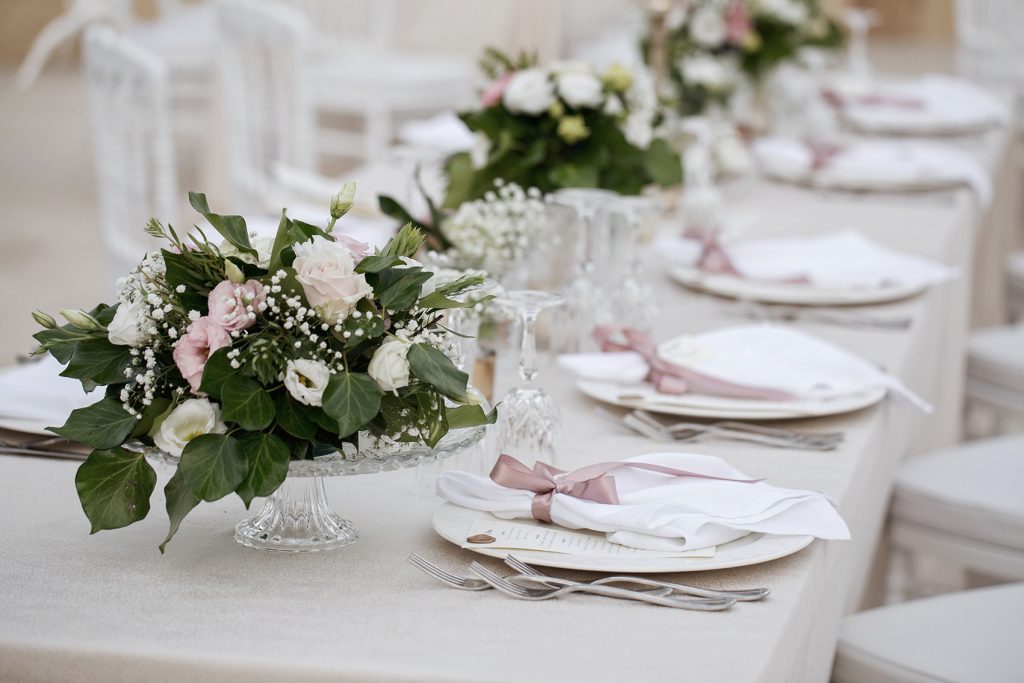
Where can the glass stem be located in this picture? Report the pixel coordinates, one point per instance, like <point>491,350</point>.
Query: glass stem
<point>528,355</point>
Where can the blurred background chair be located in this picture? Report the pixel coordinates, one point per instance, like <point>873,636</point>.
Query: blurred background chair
<point>962,508</point>
<point>968,636</point>
<point>1015,286</point>
<point>132,142</point>
<point>994,390</point>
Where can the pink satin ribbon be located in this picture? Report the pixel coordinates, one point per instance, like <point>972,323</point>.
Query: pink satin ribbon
<point>713,257</point>
<point>669,378</point>
<point>588,483</point>
<point>822,154</point>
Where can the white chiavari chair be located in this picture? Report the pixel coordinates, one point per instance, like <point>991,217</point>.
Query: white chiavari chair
<point>133,142</point>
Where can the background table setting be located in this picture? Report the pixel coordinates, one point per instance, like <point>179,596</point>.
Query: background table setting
<point>548,385</point>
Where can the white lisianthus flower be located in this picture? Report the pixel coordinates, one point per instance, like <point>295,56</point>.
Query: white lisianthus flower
<point>713,73</point>
<point>389,366</point>
<point>529,91</point>
<point>126,329</point>
<point>707,26</point>
<point>480,151</point>
<point>194,417</point>
<point>306,380</point>
<point>580,89</point>
<point>638,130</point>
<point>263,245</point>
<point>326,271</point>
<point>786,11</point>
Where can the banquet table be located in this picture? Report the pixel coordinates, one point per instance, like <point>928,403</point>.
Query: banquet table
<point>110,608</point>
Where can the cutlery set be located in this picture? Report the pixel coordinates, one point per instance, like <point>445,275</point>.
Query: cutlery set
<point>645,424</point>
<point>530,584</point>
<point>827,316</point>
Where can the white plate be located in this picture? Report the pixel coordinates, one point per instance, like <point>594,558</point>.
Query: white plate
<point>852,183</point>
<point>452,522</point>
<point>923,127</point>
<point>701,405</point>
<point>791,294</point>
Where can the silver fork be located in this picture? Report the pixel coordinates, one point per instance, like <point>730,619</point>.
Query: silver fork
<point>742,595</point>
<point>547,592</point>
<point>645,423</point>
<point>468,583</point>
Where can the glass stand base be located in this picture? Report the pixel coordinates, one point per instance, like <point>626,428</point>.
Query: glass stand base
<point>297,519</point>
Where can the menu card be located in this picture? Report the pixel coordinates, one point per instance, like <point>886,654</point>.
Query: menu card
<point>526,535</point>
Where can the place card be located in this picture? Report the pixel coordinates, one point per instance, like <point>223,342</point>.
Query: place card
<point>496,533</point>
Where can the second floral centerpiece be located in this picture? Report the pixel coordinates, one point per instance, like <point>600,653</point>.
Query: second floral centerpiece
<point>565,125</point>
<point>236,360</point>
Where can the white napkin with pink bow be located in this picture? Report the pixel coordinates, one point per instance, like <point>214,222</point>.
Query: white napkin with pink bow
<point>882,165</point>
<point>757,355</point>
<point>444,132</point>
<point>662,512</point>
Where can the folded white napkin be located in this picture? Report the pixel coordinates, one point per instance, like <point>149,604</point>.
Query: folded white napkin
<point>761,355</point>
<point>662,512</point>
<point>874,165</point>
<point>35,393</point>
<point>445,132</point>
<point>842,260</point>
<point>945,103</point>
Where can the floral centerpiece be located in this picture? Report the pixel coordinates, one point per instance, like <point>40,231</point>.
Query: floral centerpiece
<point>238,358</point>
<point>714,44</point>
<point>565,125</point>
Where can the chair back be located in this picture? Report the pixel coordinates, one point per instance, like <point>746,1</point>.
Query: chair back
<point>136,172</point>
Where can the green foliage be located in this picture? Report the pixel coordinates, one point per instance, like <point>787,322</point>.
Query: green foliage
<point>231,228</point>
<point>97,361</point>
<point>102,425</point>
<point>352,399</point>
<point>268,465</point>
<point>397,289</point>
<point>180,502</point>
<point>114,486</point>
<point>213,466</point>
<point>470,416</point>
<point>434,368</point>
<point>246,403</point>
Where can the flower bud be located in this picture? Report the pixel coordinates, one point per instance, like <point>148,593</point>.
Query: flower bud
<point>556,110</point>
<point>234,273</point>
<point>46,321</point>
<point>342,202</point>
<point>80,319</point>
<point>572,129</point>
<point>618,78</point>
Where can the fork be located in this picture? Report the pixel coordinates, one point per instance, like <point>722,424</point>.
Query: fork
<point>646,424</point>
<point>782,313</point>
<point>472,584</point>
<point>742,595</point>
<point>566,587</point>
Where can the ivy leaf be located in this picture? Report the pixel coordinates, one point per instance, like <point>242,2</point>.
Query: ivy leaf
<point>376,263</point>
<point>471,415</point>
<point>662,164</point>
<point>268,465</point>
<point>281,240</point>
<point>181,271</point>
<point>352,399</point>
<point>150,413</point>
<point>391,207</point>
<point>246,403</point>
<point>232,228</point>
<point>96,362</point>
<point>213,466</point>
<point>437,370</point>
<point>294,418</point>
<point>114,486</point>
<point>104,424</point>
<point>216,372</point>
<point>397,289</point>
<point>180,502</point>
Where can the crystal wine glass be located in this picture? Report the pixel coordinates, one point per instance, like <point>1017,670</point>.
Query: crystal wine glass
<point>859,21</point>
<point>528,418</point>
<point>630,224</point>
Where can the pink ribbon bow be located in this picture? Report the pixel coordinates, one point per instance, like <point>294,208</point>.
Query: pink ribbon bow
<point>588,483</point>
<point>669,378</point>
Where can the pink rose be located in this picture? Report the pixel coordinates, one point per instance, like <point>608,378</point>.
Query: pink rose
<point>358,249</point>
<point>494,91</point>
<point>737,24</point>
<point>326,271</point>
<point>234,307</point>
<point>195,347</point>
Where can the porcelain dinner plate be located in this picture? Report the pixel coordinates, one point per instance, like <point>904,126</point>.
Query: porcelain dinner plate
<point>452,521</point>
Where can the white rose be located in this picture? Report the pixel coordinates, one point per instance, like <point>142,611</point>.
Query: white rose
<point>786,11</point>
<point>707,27</point>
<point>126,327</point>
<point>713,73</point>
<point>389,366</point>
<point>480,151</point>
<point>529,91</point>
<point>194,417</point>
<point>580,89</point>
<point>637,130</point>
<point>326,271</point>
<point>263,245</point>
<point>306,380</point>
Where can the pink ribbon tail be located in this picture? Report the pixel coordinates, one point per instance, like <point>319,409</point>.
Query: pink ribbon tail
<point>591,482</point>
<point>669,378</point>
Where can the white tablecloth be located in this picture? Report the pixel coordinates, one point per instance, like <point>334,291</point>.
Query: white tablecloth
<point>111,608</point>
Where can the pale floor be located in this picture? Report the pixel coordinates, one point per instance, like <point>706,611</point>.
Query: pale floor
<point>51,251</point>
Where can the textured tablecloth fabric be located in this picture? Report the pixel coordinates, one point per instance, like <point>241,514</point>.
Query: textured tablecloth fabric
<point>110,608</point>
